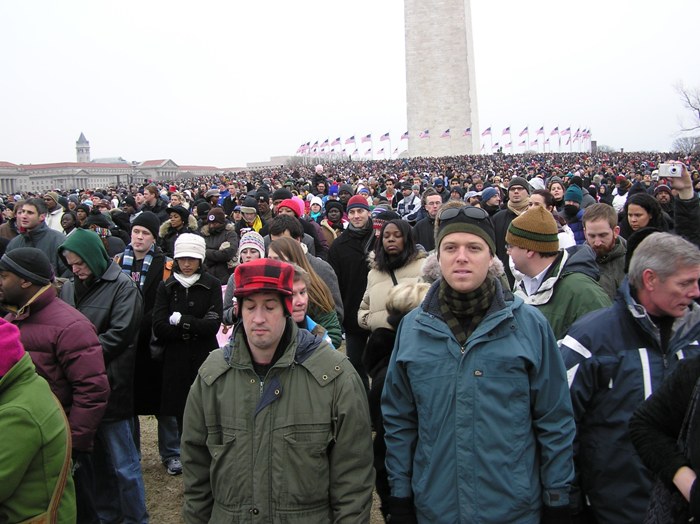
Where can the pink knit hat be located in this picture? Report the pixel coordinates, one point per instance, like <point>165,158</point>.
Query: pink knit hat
<point>11,350</point>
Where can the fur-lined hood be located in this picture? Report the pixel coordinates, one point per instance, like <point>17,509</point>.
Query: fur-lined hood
<point>205,229</point>
<point>165,226</point>
<point>373,265</point>
<point>432,272</point>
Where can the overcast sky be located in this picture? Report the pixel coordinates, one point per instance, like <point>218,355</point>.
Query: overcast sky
<point>225,82</point>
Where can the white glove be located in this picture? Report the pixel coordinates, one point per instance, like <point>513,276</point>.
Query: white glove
<point>175,318</point>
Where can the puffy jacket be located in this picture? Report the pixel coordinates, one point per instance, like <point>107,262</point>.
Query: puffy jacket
<point>114,306</point>
<point>569,289</point>
<point>614,361</point>
<point>44,238</point>
<point>372,313</point>
<point>481,433</point>
<point>295,447</point>
<point>65,349</point>
<point>187,345</point>
<point>34,439</point>
<point>222,247</point>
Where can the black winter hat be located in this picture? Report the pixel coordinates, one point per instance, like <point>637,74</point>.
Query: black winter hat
<point>149,220</point>
<point>28,263</point>
<point>281,194</point>
<point>184,213</point>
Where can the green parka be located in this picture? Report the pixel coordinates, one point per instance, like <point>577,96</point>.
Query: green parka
<point>34,435</point>
<point>294,448</point>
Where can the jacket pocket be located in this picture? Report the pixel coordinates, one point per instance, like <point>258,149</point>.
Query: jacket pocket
<point>305,476</point>
<point>227,460</point>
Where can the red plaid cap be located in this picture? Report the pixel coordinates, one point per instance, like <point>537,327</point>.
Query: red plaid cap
<point>265,275</point>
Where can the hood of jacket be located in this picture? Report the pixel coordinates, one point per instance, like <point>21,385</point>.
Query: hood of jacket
<point>191,225</point>
<point>88,246</point>
<point>206,233</point>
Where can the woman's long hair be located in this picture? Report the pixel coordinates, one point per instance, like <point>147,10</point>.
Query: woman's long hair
<point>289,250</point>
<point>386,263</point>
<point>651,206</point>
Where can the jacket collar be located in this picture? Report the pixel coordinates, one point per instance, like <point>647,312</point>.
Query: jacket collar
<point>41,298</point>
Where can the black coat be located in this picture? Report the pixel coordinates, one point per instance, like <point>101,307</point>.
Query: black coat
<point>501,221</point>
<point>188,344</point>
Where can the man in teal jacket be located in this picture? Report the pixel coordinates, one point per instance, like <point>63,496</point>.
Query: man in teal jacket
<point>478,424</point>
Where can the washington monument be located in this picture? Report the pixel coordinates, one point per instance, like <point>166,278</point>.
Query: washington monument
<point>440,79</point>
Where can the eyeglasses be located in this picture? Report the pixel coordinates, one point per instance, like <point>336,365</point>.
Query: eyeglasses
<point>475,213</point>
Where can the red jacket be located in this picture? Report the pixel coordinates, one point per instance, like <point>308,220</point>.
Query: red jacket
<point>66,351</point>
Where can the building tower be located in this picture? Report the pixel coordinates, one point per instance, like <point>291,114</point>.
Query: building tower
<point>440,78</point>
<point>82,149</point>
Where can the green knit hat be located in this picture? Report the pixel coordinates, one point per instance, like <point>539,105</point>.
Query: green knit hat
<point>89,247</point>
<point>535,230</point>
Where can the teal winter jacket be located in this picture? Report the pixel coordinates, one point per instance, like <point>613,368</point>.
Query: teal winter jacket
<point>484,432</point>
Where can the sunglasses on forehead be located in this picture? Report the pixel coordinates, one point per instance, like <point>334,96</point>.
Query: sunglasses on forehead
<point>475,213</point>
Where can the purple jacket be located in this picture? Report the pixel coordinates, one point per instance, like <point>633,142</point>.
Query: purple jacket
<point>66,351</point>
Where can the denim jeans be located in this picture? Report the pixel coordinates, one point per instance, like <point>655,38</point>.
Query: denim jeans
<point>119,491</point>
<point>354,347</point>
<point>168,437</point>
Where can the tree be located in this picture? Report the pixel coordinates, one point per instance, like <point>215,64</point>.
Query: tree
<point>691,101</point>
<point>686,145</point>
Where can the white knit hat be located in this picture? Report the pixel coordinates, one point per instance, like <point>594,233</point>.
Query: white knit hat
<point>252,240</point>
<point>190,245</point>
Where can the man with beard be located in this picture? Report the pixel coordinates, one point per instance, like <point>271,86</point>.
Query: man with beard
<point>602,234</point>
<point>664,197</point>
<point>424,230</point>
<point>491,200</point>
<point>348,257</point>
<point>518,202</point>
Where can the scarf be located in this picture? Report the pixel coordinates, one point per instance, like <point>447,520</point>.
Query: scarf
<point>361,233</point>
<point>187,282</point>
<point>519,209</point>
<point>463,312</point>
<point>128,261</point>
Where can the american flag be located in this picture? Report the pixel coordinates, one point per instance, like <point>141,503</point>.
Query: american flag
<point>482,146</point>
<point>381,151</point>
<point>495,146</point>
<point>546,142</point>
<point>568,141</point>
<point>445,134</point>
<point>486,131</point>
<point>367,138</point>
<point>369,151</point>
<point>509,144</point>
<point>535,142</point>
<point>506,131</point>
<point>576,138</point>
<point>424,134</point>
<point>404,136</point>
<point>315,144</point>
<point>467,132</point>
<point>540,131</point>
<point>523,143</point>
<point>555,131</point>
<point>351,140</point>
<point>395,151</point>
<point>336,142</point>
<point>355,152</point>
<point>523,132</point>
<point>566,131</point>
<point>385,136</point>
<point>325,142</point>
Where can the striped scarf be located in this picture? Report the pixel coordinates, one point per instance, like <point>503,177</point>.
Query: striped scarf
<point>463,312</point>
<point>128,261</point>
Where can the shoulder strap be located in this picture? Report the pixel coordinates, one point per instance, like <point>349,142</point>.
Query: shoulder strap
<point>63,476</point>
<point>393,277</point>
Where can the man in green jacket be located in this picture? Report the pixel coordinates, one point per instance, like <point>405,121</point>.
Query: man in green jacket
<point>276,426</point>
<point>35,440</point>
<point>561,284</point>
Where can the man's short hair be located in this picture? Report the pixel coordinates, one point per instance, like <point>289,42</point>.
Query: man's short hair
<point>282,223</point>
<point>600,211</point>
<point>38,203</point>
<point>428,192</point>
<point>152,189</point>
<point>664,254</point>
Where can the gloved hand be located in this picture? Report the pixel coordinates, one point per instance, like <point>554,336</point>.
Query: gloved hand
<point>175,318</point>
<point>556,515</point>
<point>695,500</point>
<point>402,511</point>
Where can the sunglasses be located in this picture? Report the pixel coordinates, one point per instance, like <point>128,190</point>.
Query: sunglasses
<point>475,213</point>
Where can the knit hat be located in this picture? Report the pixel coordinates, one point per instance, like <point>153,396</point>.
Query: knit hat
<point>555,180</point>
<point>574,194</point>
<point>519,181</point>
<point>382,217</point>
<point>96,219</point>
<point>281,194</point>
<point>130,201</point>
<point>203,208</point>
<point>28,263</point>
<point>662,187</point>
<point>149,220</point>
<point>87,245</point>
<point>184,213</point>
<point>438,182</point>
<point>252,240</point>
<point>345,187</point>
<point>333,203</point>
<point>190,245</point>
<point>358,201</point>
<point>265,275</point>
<point>52,195</point>
<point>216,216</point>
<point>11,349</point>
<point>317,201</point>
<point>333,190</point>
<point>535,230</point>
<point>290,203</point>
<point>249,205</point>
<point>467,219</point>
<point>488,193</point>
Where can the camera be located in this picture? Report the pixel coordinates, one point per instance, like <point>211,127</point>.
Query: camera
<point>670,170</point>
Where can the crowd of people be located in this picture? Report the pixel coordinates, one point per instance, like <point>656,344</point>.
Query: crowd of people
<point>496,320</point>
